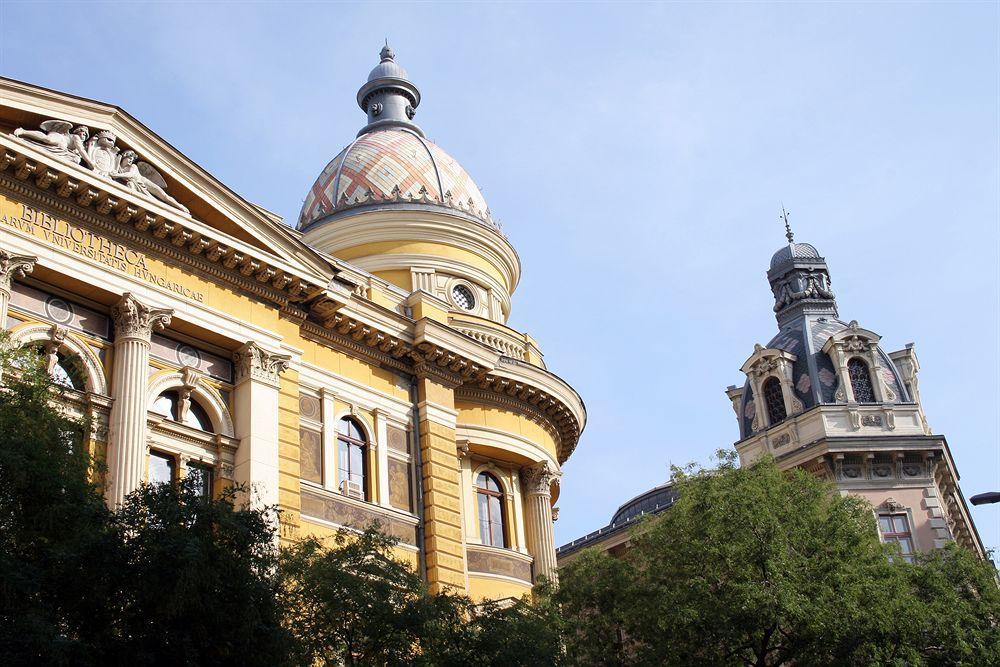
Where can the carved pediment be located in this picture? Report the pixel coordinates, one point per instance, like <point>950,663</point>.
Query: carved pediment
<point>105,159</point>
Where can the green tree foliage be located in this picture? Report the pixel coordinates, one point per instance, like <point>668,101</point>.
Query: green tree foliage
<point>199,584</point>
<point>354,603</point>
<point>756,566</point>
<point>169,578</point>
<point>54,525</point>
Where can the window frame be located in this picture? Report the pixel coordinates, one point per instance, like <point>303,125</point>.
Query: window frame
<point>779,396</point>
<point>173,465</point>
<point>894,536</point>
<point>501,498</point>
<point>855,362</point>
<point>348,441</point>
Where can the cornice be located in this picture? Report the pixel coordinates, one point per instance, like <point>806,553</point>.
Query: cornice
<point>48,103</point>
<point>106,205</point>
<point>425,226</point>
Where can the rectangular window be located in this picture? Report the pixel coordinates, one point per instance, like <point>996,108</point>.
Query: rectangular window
<point>201,477</point>
<point>161,468</point>
<point>895,529</point>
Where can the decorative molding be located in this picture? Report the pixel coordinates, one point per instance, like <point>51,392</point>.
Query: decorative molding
<point>13,267</point>
<point>538,479</point>
<point>132,319</point>
<point>253,362</point>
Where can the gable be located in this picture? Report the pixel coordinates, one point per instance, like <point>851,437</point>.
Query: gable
<point>157,179</point>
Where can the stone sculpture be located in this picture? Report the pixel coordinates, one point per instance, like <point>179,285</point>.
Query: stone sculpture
<point>101,154</point>
<point>59,137</point>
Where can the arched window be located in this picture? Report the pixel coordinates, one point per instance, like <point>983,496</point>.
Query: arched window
<point>352,450</point>
<point>170,405</point>
<point>774,399</point>
<point>861,381</point>
<point>489,499</point>
<point>66,369</point>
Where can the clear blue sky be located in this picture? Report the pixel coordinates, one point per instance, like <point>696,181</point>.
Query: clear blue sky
<point>637,155</point>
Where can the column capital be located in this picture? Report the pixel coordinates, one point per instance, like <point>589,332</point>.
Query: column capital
<point>538,478</point>
<point>135,320</point>
<point>14,266</point>
<point>255,363</point>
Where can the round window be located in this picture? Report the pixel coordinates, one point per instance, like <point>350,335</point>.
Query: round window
<point>463,297</point>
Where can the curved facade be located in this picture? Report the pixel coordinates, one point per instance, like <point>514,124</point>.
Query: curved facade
<point>360,371</point>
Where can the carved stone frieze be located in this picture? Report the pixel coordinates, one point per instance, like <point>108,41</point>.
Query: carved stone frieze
<point>101,154</point>
<point>255,363</point>
<point>13,267</point>
<point>133,319</point>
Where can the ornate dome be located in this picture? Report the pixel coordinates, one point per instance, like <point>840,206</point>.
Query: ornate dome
<point>794,251</point>
<point>394,165</point>
<point>391,163</point>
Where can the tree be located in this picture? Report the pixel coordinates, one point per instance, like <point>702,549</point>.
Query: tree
<point>198,581</point>
<point>54,529</point>
<point>354,603</point>
<point>168,578</point>
<point>759,566</point>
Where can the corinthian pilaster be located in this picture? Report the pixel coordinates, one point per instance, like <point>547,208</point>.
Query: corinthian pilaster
<point>256,419</point>
<point>537,482</point>
<point>11,267</point>
<point>134,324</point>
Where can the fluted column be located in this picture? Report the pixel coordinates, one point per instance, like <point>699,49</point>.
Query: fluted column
<point>538,519</point>
<point>256,410</point>
<point>134,324</point>
<point>11,267</point>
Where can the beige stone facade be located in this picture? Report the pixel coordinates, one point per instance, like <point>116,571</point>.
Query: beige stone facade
<point>357,370</point>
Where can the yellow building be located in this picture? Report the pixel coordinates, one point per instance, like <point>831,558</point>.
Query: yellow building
<point>355,368</point>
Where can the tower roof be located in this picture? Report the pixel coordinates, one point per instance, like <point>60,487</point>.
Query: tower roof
<point>391,164</point>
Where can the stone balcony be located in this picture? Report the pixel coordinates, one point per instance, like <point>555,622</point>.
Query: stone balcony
<point>832,422</point>
<point>503,339</point>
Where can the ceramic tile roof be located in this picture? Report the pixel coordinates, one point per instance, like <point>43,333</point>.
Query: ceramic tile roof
<point>392,166</point>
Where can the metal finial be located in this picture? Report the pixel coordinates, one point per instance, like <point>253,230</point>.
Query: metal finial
<point>788,226</point>
<point>386,52</point>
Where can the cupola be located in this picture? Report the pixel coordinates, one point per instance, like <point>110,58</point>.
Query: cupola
<point>394,203</point>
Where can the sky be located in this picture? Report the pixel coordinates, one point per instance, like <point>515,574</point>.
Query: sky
<point>637,156</point>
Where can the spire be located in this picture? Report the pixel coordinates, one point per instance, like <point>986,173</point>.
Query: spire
<point>389,97</point>
<point>800,279</point>
<point>788,226</point>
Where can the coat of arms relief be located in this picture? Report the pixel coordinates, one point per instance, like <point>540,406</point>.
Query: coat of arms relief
<point>101,154</point>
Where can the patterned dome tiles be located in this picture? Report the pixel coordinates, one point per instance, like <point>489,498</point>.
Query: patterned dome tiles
<point>393,166</point>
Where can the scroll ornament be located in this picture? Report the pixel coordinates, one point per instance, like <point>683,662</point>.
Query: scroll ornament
<point>100,154</point>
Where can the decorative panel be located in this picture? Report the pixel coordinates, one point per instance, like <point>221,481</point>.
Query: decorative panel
<point>182,354</point>
<point>398,439</point>
<point>310,455</point>
<point>495,562</point>
<point>310,408</point>
<point>400,488</point>
<point>60,311</point>
<point>335,510</point>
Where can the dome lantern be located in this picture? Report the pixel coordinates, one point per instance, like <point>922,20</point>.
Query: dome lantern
<point>389,97</point>
<point>800,280</point>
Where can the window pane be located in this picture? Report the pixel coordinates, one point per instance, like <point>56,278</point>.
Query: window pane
<point>900,524</point>
<point>198,418</point>
<point>484,518</point>
<point>861,381</point>
<point>885,524</point>
<point>357,460</point>
<point>343,458</point>
<point>774,399</point>
<point>161,468</point>
<point>202,478</point>
<point>906,546</point>
<point>498,535</point>
<point>165,404</point>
